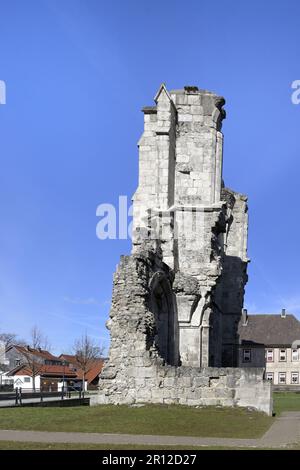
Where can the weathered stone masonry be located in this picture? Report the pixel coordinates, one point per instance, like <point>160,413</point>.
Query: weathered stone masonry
<point>178,297</point>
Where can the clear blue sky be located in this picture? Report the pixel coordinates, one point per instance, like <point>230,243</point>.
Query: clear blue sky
<point>77,74</point>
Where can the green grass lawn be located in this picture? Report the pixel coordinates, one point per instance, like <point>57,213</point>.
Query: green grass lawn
<point>286,401</point>
<point>151,419</point>
<point>11,445</point>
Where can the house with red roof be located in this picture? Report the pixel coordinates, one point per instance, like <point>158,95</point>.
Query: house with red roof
<point>38,369</point>
<point>92,373</point>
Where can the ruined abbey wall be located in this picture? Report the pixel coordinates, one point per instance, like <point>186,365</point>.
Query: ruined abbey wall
<point>178,297</point>
<point>138,371</point>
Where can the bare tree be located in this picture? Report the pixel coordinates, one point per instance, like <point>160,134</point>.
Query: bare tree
<point>2,355</point>
<point>9,339</point>
<point>86,351</point>
<point>32,361</point>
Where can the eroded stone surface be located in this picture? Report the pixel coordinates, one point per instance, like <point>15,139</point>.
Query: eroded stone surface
<point>178,297</point>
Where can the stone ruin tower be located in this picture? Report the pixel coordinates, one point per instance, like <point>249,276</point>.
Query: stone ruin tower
<point>178,298</point>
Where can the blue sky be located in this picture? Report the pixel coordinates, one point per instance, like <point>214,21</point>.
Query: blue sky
<point>77,74</point>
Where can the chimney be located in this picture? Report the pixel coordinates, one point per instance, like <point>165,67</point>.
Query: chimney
<point>245,316</point>
<point>283,313</point>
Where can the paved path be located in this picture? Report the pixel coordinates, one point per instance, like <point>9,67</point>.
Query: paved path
<point>285,431</point>
<point>12,402</point>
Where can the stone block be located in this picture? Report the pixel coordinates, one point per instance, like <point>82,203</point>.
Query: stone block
<point>194,100</point>
<point>185,382</point>
<point>185,117</point>
<point>200,382</point>
<point>169,382</point>
<point>199,118</point>
<point>196,109</point>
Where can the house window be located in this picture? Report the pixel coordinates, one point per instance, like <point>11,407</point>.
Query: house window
<point>27,379</point>
<point>295,355</point>
<point>246,355</point>
<point>282,377</point>
<point>17,362</point>
<point>270,355</point>
<point>270,376</point>
<point>282,355</point>
<point>294,377</point>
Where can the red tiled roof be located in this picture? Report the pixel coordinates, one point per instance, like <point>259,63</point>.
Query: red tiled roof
<point>60,371</point>
<point>57,371</point>
<point>69,358</point>
<point>36,352</point>
<point>94,370</point>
